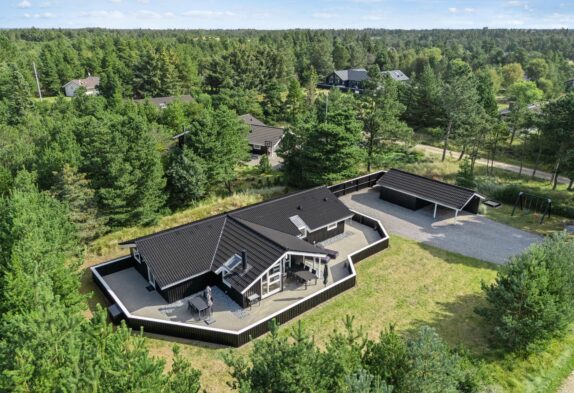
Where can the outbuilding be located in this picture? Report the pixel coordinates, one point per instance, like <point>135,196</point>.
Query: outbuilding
<point>415,192</point>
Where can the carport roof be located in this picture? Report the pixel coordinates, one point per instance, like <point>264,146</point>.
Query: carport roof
<point>431,190</point>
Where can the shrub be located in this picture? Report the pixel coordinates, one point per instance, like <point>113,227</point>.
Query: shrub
<point>264,164</point>
<point>532,297</point>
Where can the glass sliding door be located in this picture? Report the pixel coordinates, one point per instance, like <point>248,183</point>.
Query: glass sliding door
<point>271,281</point>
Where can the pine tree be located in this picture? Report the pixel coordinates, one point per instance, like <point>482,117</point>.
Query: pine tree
<point>37,244</point>
<point>295,100</point>
<point>423,100</point>
<point>73,189</point>
<point>186,178</point>
<point>380,111</point>
<point>219,138</point>
<point>18,99</point>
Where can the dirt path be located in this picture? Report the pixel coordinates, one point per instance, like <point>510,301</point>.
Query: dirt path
<point>497,164</point>
<point>568,386</point>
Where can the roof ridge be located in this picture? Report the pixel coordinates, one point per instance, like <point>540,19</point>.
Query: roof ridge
<point>218,241</point>
<point>225,214</point>
<point>239,221</point>
<point>266,126</point>
<point>430,179</point>
<point>167,230</point>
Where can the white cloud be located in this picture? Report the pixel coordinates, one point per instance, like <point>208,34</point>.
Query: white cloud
<point>367,1</point>
<point>115,1</point>
<point>102,14</point>
<point>146,14</point>
<point>24,4</point>
<point>45,4</point>
<point>373,17</point>
<point>41,15</point>
<point>470,10</point>
<point>143,1</point>
<point>206,13</point>
<point>324,15</point>
<point>453,10</point>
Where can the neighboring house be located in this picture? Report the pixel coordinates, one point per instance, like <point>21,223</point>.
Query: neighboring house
<point>415,192</point>
<point>90,84</point>
<point>245,252</point>
<point>534,108</point>
<point>346,80</point>
<point>397,75</point>
<point>354,79</point>
<point>163,102</point>
<point>262,139</point>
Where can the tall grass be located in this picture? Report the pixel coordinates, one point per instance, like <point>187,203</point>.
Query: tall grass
<point>108,245</point>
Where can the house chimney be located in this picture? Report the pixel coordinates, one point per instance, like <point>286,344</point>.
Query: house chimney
<point>244,259</point>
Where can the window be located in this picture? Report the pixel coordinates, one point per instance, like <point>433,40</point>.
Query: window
<point>332,226</point>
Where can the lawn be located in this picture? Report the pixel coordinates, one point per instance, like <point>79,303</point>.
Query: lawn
<point>408,285</point>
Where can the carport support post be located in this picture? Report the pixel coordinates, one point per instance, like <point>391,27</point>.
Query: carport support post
<point>455,215</point>
<point>434,214</point>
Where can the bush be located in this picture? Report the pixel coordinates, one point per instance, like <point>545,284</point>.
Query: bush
<point>264,164</point>
<point>532,298</point>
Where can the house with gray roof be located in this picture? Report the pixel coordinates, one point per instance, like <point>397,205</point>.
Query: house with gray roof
<point>396,75</point>
<point>90,84</point>
<point>354,79</point>
<point>262,139</point>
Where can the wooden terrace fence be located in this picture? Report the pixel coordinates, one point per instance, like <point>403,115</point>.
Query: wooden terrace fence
<point>356,184</point>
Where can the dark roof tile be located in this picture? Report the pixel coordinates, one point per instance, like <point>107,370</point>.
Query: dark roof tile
<point>431,190</point>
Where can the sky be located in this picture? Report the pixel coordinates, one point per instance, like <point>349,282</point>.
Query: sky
<point>274,14</point>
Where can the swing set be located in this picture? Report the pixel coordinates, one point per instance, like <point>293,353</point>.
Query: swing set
<point>527,202</point>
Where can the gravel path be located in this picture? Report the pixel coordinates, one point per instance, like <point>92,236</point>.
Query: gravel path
<point>471,235</point>
<point>497,164</point>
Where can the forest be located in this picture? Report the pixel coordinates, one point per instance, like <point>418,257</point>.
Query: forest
<point>75,169</point>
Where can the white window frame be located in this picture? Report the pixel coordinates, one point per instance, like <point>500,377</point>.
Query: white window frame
<point>333,226</point>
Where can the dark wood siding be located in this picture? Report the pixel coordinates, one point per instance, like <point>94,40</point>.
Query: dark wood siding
<point>473,205</point>
<point>401,199</point>
<point>324,234</point>
<point>188,287</point>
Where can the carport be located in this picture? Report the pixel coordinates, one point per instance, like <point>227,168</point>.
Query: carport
<point>415,192</point>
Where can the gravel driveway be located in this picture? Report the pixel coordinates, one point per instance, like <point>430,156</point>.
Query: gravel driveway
<point>471,235</point>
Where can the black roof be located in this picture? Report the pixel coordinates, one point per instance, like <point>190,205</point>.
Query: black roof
<point>264,231</point>
<point>317,207</point>
<point>431,190</point>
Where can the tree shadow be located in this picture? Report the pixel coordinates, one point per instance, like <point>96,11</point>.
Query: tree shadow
<point>460,326</point>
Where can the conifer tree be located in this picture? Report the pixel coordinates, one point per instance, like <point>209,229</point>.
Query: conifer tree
<point>73,189</point>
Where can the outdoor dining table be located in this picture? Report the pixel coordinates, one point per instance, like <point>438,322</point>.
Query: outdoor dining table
<point>197,303</point>
<point>305,276</point>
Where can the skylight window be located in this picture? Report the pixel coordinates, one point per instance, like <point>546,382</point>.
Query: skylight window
<point>232,262</point>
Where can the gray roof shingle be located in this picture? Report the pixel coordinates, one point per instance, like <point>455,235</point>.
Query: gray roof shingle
<point>431,190</point>
<point>260,133</point>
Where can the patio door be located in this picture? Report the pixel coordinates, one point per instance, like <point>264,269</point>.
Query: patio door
<point>271,281</point>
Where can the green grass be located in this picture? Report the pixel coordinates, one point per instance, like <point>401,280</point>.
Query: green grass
<point>527,221</point>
